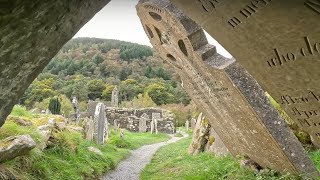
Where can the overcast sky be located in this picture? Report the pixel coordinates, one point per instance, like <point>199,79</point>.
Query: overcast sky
<point>119,20</point>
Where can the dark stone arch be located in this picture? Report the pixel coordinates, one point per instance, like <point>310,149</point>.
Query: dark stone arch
<point>32,32</point>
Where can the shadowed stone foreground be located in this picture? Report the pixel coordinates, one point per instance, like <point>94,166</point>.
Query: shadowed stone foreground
<point>32,32</point>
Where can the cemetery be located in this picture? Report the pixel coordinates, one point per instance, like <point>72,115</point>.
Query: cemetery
<point>74,107</point>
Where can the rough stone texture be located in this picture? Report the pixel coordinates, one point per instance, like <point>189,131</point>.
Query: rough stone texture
<point>95,150</point>
<point>143,123</point>
<point>278,44</point>
<point>100,134</point>
<point>130,119</point>
<point>32,32</point>
<point>12,147</point>
<point>204,138</point>
<point>88,128</point>
<point>20,121</point>
<point>232,100</point>
<point>91,108</point>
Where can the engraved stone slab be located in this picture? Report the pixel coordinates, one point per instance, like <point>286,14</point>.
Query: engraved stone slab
<point>143,122</point>
<point>100,124</point>
<point>278,43</point>
<point>232,100</point>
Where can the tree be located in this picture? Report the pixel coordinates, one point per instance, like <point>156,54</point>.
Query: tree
<point>97,59</point>
<point>95,88</point>
<point>159,93</point>
<point>141,101</point>
<point>54,105</point>
<point>107,92</point>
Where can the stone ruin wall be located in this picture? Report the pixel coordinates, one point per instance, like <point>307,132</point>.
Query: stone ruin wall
<point>130,118</point>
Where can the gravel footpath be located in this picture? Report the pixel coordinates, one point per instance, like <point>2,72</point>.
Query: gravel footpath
<point>130,168</point>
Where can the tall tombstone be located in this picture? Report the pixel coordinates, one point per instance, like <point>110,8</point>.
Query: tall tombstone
<point>278,42</point>
<point>232,100</point>
<point>143,122</point>
<point>115,97</point>
<point>187,125</point>
<point>155,118</point>
<point>100,124</point>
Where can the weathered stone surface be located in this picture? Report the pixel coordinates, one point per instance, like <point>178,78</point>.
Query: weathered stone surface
<point>20,121</point>
<point>88,128</point>
<point>31,33</point>
<point>143,123</point>
<point>76,129</point>
<point>115,97</point>
<point>278,44</point>
<point>95,150</point>
<point>130,119</point>
<point>215,144</point>
<point>232,100</point>
<point>204,138</point>
<point>12,147</point>
<point>100,124</point>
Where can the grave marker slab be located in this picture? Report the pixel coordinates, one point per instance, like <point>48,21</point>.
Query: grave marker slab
<point>232,100</point>
<point>100,124</point>
<point>278,42</point>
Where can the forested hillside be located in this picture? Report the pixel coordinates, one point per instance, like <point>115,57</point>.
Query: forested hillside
<point>89,68</point>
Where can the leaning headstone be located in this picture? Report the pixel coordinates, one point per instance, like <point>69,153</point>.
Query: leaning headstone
<point>278,44</point>
<point>232,100</point>
<point>143,122</point>
<point>100,124</point>
<point>115,97</point>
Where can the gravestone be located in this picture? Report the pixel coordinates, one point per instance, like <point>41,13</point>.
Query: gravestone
<point>75,105</point>
<point>143,122</point>
<point>187,125</point>
<point>100,124</point>
<point>278,44</point>
<point>232,100</point>
<point>193,123</point>
<point>92,108</point>
<point>154,122</point>
<point>115,97</point>
<point>89,128</point>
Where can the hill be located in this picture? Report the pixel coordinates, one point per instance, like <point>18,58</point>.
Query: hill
<point>89,68</point>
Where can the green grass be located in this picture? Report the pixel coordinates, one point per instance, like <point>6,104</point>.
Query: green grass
<point>174,162</point>
<point>68,158</point>
<point>21,111</point>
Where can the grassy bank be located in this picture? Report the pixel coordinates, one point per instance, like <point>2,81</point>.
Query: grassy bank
<point>68,157</point>
<point>173,162</point>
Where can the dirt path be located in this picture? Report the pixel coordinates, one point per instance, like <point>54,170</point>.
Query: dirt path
<point>130,168</point>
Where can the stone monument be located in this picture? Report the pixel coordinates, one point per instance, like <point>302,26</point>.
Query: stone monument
<point>143,122</point>
<point>278,44</point>
<point>100,124</point>
<point>75,105</point>
<point>115,97</point>
<point>154,122</point>
<point>232,100</point>
<point>187,125</point>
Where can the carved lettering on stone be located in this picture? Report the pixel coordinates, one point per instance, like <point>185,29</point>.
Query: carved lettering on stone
<point>229,96</point>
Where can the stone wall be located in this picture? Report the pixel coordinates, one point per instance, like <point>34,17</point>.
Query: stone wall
<point>130,119</point>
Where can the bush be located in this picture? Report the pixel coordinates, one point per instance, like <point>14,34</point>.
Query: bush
<point>21,111</point>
